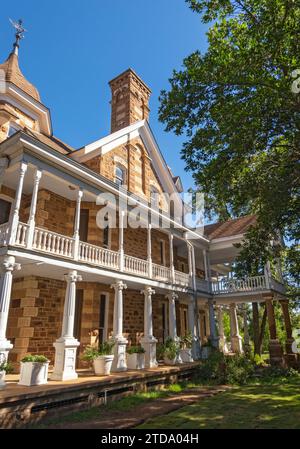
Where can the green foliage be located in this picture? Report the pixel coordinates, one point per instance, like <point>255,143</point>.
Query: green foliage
<point>276,374</point>
<point>135,350</point>
<point>91,353</point>
<point>186,341</point>
<point>236,106</point>
<point>171,349</point>
<point>35,359</point>
<point>222,369</point>
<point>7,367</point>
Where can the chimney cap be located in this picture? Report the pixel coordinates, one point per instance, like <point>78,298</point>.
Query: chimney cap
<point>132,72</point>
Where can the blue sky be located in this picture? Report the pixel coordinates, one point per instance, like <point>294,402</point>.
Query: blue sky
<point>73,48</point>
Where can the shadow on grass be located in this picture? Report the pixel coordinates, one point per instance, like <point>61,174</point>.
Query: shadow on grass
<point>248,407</point>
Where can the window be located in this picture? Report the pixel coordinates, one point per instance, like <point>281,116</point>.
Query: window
<point>120,175</point>
<point>154,197</point>
<point>106,233</point>
<point>12,130</point>
<point>162,251</point>
<point>102,319</point>
<point>5,207</point>
<point>84,225</point>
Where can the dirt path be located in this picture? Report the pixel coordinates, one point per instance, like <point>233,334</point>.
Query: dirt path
<point>141,413</point>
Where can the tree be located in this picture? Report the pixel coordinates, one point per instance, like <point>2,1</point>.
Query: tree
<point>239,106</point>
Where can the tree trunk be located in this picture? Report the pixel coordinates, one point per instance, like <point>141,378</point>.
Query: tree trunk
<point>256,334</point>
<point>262,329</point>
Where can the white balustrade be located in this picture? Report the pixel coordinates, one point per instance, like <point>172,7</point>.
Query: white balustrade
<point>3,234</point>
<point>21,234</point>
<point>98,256</point>
<point>136,266</point>
<point>161,273</point>
<point>51,242</point>
<point>182,278</point>
<point>239,285</point>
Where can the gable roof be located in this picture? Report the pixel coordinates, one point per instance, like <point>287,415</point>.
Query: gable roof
<point>52,141</point>
<point>121,137</point>
<point>236,226</point>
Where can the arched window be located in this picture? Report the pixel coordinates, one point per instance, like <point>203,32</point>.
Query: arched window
<point>120,175</point>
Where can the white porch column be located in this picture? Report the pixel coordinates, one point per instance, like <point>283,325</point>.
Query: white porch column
<point>77,224</point>
<point>172,315</point>
<point>192,265</point>
<point>16,205</point>
<point>66,345</point>
<point>119,362</point>
<point>172,257</point>
<point>31,220</point>
<point>222,338</point>
<point>193,328</point>
<point>7,266</point>
<point>149,341</point>
<point>121,239</point>
<point>236,339</point>
<point>149,250</point>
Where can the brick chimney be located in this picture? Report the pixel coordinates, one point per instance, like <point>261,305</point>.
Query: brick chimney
<point>130,100</point>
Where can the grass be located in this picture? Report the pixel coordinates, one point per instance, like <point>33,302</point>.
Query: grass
<point>249,407</point>
<point>122,405</point>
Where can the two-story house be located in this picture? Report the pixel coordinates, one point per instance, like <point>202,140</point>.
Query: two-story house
<point>65,278</point>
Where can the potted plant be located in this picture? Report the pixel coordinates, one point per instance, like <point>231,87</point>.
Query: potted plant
<point>186,348</point>
<point>5,368</point>
<point>101,357</point>
<point>171,352</point>
<point>136,357</point>
<point>34,370</point>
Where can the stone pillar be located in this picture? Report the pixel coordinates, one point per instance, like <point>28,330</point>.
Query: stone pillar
<point>149,251</point>
<point>149,341</point>
<point>288,326</point>
<point>77,224</point>
<point>222,338</point>
<point>66,346</point>
<point>275,349</point>
<point>31,220</point>
<point>119,362</point>
<point>236,339</point>
<point>171,258</point>
<point>7,266</point>
<point>16,205</point>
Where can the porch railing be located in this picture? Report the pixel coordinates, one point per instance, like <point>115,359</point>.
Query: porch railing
<point>248,284</point>
<point>182,278</point>
<point>161,273</point>
<point>61,245</point>
<point>98,256</point>
<point>53,243</point>
<point>136,266</point>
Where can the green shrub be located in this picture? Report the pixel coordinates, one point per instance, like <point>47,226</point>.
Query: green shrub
<point>91,353</point>
<point>160,350</point>
<point>172,348</point>
<point>136,350</point>
<point>7,367</point>
<point>222,369</point>
<point>273,374</point>
<point>186,341</point>
<point>35,359</point>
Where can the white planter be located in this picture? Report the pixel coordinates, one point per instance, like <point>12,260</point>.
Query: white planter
<point>186,355</point>
<point>33,373</point>
<point>102,365</point>
<point>168,361</point>
<point>2,379</point>
<point>136,361</point>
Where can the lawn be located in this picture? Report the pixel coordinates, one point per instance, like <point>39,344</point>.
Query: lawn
<point>247,407</point>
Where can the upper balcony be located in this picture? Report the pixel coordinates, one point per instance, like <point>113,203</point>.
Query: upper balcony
<point>64,247</point>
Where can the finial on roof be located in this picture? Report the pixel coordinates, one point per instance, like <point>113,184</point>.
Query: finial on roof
<point>20,30</point>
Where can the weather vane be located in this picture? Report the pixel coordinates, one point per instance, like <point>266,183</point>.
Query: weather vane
<point>20,30</point>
